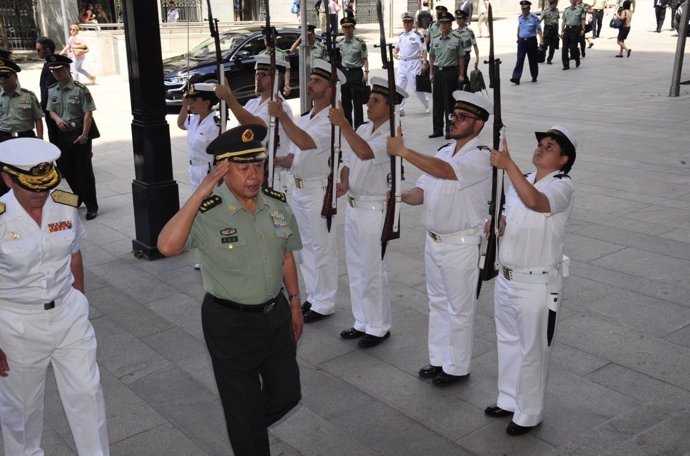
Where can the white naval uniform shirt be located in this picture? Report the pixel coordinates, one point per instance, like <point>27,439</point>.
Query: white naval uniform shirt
<point>451,206</point>
<point>313,163</point>
<point>199,136</point>
<point>410,45</point>
<point>259,108</point>
<point>35,261</point>
<point>535,239</point>
<point>369,177</point>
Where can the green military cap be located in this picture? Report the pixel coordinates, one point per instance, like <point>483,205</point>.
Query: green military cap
<point>55,61</point>
<point>473,103</point>
<point>445,16</point>
<point>240,145</point>
<point>565,139</point>
<point>460,14</point>
<point>311,28</point>
<point>348,22</point>
<point>31,163</point>
<point>8,65</point>
<point>440,8</point>
<point>380,85</point>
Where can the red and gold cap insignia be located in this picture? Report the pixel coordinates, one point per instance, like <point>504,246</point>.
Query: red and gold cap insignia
<point>248,135</point>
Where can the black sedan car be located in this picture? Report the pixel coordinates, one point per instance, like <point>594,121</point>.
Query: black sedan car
<point>238,50</point>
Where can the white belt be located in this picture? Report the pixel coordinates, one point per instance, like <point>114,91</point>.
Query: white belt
<point>44,306</point>
<point>527,275</point>
<point>375,203</point>
<point>319,182</point>
<point>410,58</point>
<point>461,237</point>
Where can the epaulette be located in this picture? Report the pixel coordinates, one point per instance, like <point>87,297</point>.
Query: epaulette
<point>419,34</point>
<point>274,194</point>
<point>3,208</point>
<point>79,84</point>
<point>561,176</point>
<point>52,85</point>
<point>483,147</point>
<point>305,113</point>
<point>359,39</point>
<point>210,202</point>
<point>28,91</point>
<point>66,198</point>
<point>446,144</point>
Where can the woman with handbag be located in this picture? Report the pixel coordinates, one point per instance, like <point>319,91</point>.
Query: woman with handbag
<point>626,16</point>
<point>76,50</point>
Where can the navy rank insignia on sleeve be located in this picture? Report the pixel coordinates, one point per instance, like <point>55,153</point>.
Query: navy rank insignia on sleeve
<point>3,208</point>
<point>66,198</point>
<point>210,202</point>
<point>274,194</point>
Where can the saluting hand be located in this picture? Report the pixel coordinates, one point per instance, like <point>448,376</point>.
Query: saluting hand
<point>4,366</point>
<point>214,178</point>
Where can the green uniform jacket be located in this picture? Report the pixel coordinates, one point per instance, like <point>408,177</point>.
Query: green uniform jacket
<point>353,52</point>
<point>19,110</point>
<point>70,102</point>
<point>242,253</point>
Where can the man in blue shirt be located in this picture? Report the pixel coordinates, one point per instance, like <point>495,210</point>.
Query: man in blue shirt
<point>527,31</point>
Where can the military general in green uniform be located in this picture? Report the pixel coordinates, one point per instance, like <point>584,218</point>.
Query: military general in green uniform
<point>245,236</point>
<point>445,57</point>
<point>354,63</point>
<point>20,110</point>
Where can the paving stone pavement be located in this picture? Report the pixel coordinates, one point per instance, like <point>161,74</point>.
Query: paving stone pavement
<point>619,382</point>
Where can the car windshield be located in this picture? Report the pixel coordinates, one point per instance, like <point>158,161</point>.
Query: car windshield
<point>207,49</point>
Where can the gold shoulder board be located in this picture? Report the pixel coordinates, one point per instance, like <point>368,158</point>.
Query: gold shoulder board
<point>210,202</point>
<point>2,208</point>
<point>66,198</point>
<point>274,194</point>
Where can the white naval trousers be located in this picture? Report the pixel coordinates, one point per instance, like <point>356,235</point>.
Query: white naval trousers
<point>451,282</point>
<point>63,337</point>
<point>521,314</point>
<point>407,71</point>
<point>318,258</point>
<point>197,171</point>
<point>369,290</point>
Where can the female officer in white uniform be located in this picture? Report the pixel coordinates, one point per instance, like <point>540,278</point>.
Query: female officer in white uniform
<point>529,283</point>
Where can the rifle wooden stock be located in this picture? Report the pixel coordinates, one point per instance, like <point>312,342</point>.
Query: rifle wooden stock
<point>329,208</point>
<point>391,224</point>
<point>220,69</point>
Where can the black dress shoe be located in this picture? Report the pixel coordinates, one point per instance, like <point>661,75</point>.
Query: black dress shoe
<point>494,411</point>
<point>369,341</point>
<point>577,64</point>
<point>311,316</point>
<point>566,68</point>
<point>91,214</point>
<point>351,333</point>
<point>534,79</point>
<point>515,81</point>
<point>444,379</point>
<point>549,62</point>
<point>306,306</point>
<point>516,429</point>
<point>435,135</point>
<point>430,371</point>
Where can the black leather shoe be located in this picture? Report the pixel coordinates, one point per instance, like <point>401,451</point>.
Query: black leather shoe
<point>369,341</point>
<point>91,214</point>
<point>515,81</point>
<point>577,64</point>
<point>444,379</point>
<point>516,429</point>
<point>311,316</point>
<point>494,411</point>
<point>306,306</point>
<point>430,371</point>
<point>351,333</point>
<point>566,68</point>
<point>534,79</point>
<point>435,135</point>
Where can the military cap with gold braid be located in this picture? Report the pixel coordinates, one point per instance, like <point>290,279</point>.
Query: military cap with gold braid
<point>240,145</point>
<point>30,162</point>
<point>8,65</point>
<point>55,61</point>
<point>473,103</point>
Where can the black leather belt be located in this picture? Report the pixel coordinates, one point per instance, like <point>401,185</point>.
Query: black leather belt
<point>352,69</point>
<point>21,134</point>
<point>445,68</point>
<point>49,305</point>
<point>265,307</point>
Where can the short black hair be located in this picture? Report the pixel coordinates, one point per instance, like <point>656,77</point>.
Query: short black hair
<point>47,43</point>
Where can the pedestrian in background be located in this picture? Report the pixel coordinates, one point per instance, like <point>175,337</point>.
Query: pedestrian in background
<point>173,13</point>
<point>483,18</point>
<point>76,50</point>
<point>660,7</point>
<point>45,47</point>
<point>355,65</point>
<point>550,16</point>
<point>528,30</point>
<point>411,54</point>
<point>624,31</point>
<point>572,27</point>
<point>445,59</point>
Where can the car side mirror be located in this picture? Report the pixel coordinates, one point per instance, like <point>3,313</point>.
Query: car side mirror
<point>243,54</point>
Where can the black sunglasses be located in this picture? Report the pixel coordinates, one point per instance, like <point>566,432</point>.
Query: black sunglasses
<point>5,75</point>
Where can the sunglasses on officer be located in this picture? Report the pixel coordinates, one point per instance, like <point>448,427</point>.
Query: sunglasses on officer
<point>5,75</point>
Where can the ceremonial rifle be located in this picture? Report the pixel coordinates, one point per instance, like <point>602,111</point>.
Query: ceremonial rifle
<point>270,35</point>
<point>391,225</point>
<point>489,264</point>
<point>220,70</point>
<point>330,203</point>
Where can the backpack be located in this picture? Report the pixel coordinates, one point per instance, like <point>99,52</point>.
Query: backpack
<point>477,81</point>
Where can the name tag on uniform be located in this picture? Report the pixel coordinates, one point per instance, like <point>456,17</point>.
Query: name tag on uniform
<point>228,240</point>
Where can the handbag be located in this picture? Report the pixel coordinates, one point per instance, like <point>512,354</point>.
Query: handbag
<point>80,51</point>
<point>616,22</point>
<point>477,83</point>
<point>422,80</point>
<point>541,53</point>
